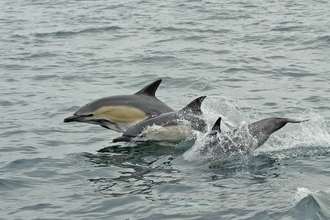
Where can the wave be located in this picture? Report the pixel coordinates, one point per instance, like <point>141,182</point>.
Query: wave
<point>310,205</point>
<point>7,184</point>
<point>319,42</point>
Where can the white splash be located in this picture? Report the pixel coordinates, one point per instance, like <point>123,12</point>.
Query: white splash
<point>300,194</point>
<point>311,135</point>
<point>287,142</point>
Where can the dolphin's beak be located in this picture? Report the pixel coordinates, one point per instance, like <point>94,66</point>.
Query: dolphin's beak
<point>76,118</point>
<point>123,139</point>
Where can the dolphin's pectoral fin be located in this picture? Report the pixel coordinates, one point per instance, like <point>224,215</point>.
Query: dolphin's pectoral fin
<point>112,126</point>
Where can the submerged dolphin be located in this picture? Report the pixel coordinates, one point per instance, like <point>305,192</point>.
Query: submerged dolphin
<point>173,126</point>
<point>244,139</point>
<point>109,112</point>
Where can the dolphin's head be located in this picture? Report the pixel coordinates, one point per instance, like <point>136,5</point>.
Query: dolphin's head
<point>270,125</point>
<point>261,130</point>
<point>85,113</point>
<point>120,110</point>
<point>98,112</point>
<point>267,126</point>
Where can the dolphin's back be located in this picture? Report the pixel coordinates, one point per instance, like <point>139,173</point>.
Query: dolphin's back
<point>151,106</point>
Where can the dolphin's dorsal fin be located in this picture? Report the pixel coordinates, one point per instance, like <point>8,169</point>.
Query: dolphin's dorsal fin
<point>216,126</point>
<point>150,89</point>
<point>194,106</point>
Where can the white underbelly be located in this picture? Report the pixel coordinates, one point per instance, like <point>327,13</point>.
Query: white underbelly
<point>168,133</point>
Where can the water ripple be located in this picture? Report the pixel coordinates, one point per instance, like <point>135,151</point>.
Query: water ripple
<point>252,59</point>
<point>84,31</point>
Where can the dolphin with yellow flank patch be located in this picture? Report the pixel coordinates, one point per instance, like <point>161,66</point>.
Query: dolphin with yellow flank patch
<point>172,126</point>
<point>110,112</point>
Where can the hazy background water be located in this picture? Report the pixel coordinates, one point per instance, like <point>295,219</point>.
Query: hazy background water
<point>253,59</point>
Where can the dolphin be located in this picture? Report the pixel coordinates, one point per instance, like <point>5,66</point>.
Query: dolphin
<point>110,112</point>
<point>244,139</point>
<point>173,126</point>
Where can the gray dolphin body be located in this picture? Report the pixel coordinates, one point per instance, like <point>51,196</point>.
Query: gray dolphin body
<point>174,126</point>
<point>244,139</point>
<point>110,112</point>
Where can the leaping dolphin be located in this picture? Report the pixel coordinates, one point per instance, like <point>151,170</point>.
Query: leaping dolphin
<point>244,139</point>
<point>173,126</point>
<point>110,112</point>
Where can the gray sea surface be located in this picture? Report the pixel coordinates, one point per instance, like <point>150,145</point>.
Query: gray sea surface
<point>252,59</point>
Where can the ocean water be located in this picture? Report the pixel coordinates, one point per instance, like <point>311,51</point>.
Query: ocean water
<point>253,59</point>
